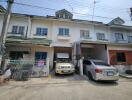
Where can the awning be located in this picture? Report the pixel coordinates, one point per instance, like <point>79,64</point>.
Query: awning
<point>19,48</point>
<point>37,41</point>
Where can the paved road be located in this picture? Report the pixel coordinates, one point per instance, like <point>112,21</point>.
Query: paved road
<point>66,88</point>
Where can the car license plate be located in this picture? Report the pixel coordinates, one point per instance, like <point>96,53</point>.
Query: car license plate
<point>65,71</point>
<point>110,73</point>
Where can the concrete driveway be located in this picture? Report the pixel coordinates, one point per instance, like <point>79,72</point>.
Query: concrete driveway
<point>66,88</point>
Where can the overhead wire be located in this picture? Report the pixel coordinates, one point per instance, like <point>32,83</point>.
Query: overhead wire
<point>53,9</point>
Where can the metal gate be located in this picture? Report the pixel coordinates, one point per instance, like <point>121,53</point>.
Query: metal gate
<point>23,69</point>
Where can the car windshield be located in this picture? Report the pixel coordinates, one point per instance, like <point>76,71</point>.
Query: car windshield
<point>63,60</point>
<point>100,63</point>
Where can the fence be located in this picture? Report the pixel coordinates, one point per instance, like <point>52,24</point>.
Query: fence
<point>23,69</point>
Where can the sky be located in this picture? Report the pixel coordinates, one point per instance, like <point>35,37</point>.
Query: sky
<point>104,10</point>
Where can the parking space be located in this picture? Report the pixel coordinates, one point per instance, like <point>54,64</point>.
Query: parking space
<point>66,88</point>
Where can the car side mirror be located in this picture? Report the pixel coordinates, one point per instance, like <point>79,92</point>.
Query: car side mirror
<point>54,61</point>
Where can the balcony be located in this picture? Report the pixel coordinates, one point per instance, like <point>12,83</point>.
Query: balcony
<point>86,38</point>
<point>121,41</point>
<point>103,40</point>
<point>10,34</point>
<point>39,36</point>
<point>63,37</point>
<point>129,41</point>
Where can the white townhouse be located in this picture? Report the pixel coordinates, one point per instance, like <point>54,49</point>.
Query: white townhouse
<point>33,37</point>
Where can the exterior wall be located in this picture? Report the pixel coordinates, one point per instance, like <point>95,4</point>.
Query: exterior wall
<point>53,29</point>
<point>103,29</point>
<point>40,23</point>
<point>100,52</point>
<point>1,23</point>
<point>74,32</point>
<point>33,49</point>
<point>112,50</point>
<point>19,21</point>
<point>94,51</point>
<point>126,33</point>
<point>49,50</point>
<point>128,55</point>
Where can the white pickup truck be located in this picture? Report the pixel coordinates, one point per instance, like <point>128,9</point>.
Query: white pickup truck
<point>63,64</point>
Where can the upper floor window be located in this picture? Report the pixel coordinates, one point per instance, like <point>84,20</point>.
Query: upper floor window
<point>63,31</point>
<point>130,39</point>
<point>41,31</point>
<point>119,36</point>
<point>84,33</point>
<point>100,36</point>
<point>18,29</point>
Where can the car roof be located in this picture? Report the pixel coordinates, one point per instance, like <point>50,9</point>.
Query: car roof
<point>95,60</point>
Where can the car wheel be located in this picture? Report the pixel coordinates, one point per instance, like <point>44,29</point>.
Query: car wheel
<point>56,74</point>
<point>90,76</point>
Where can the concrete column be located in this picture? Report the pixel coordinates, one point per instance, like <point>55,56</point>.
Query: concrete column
<point>81,67</point>
<point>108,56</point>
<point>29,27</point>
<point>47,66</point>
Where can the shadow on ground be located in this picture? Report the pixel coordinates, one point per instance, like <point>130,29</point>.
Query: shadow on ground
<point>78,78</point>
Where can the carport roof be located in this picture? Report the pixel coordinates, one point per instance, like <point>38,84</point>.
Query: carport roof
<point>20,40</point>
<point>95,42</point>
<point>105,42</point>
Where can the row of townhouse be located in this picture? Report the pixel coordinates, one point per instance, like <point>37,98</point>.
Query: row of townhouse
<point>33,37</point>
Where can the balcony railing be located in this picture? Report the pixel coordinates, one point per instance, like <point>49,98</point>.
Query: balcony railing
<point>102,39</point>
<point>15,34</point>
<point>63,37</point>
<point>86,38</point>
<point>129,41</point>
<point>121,41</point>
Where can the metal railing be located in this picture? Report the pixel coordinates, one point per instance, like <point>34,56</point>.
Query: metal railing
<point>24,69</point>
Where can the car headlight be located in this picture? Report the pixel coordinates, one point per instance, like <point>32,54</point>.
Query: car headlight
<point>117,71</point>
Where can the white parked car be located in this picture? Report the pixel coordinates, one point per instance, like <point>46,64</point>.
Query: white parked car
<point>99,70</point>
<point>63,64</point>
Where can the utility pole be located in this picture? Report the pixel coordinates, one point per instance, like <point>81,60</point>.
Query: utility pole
<point>131,13</point>
<point>4,29</point>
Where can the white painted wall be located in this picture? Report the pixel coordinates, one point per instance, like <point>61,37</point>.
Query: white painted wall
<point>33,48</point>
<point>126,33</point>
<point>100,52</point>
<point>43,24</point>
<point>54,25</point>
<point>1,23</point>
<point>74,28</point>
<point>19,21</point>
<point>118,47</point>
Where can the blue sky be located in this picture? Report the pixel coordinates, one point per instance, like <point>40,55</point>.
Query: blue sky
<point>84,8</point>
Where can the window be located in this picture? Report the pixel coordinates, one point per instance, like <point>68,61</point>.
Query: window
<point>101,63</point>
<point>86,62</point>
<point>41,31</point>
<point>119,36</point>
<point>130,39</point>
<point>100,36</point>
<point>15,55</point>
<point>14,29</point>
<point>84,33</point>
<point>17,29</point>
<point>63,31</point>
<point>40,55</point>
<point>21,30</point>
<point>121,57</point>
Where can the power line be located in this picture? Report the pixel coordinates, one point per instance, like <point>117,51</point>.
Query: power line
<point>39,7</point>
<point>108,7</point>
<point>69,5</point>
<point>3,0</point>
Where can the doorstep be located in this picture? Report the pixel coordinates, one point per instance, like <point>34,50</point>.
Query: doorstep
<point>126,75</point>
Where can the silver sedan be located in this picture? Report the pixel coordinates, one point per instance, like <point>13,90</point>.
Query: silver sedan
<point>99,70</point>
